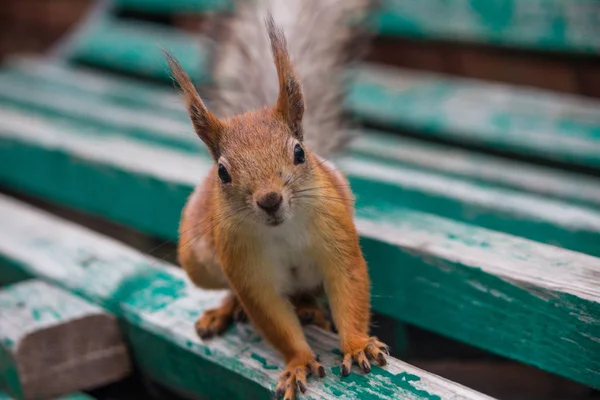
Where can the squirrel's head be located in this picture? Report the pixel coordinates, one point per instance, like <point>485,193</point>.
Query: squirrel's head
<point>263,167</point>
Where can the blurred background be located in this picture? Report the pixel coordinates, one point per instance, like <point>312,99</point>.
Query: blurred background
<point>562,60</point>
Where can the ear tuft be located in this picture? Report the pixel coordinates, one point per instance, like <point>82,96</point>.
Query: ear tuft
<point>290,101</point>
<point>206,124</point>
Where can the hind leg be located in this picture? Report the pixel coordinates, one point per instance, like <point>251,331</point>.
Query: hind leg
<point>310,312</point>
<point>216,320</point>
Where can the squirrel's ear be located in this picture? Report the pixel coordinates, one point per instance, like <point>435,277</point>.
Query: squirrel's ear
<point>290,102</point>
<point>206,124</point>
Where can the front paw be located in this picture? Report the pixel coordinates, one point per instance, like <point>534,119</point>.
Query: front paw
<point>293,378</point>
<point>361,353</point>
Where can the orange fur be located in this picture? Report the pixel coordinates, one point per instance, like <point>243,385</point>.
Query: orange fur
<point>226,240</point>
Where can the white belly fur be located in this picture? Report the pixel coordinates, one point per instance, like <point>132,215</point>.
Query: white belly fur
<point>293,270</point>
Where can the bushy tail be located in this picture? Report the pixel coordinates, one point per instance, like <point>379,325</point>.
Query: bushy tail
<point>323,38</point>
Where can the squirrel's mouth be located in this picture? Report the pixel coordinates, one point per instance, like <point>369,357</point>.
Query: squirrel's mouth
<point>275,222</point>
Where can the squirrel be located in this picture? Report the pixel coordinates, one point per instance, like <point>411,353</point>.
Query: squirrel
<point>273,222</point>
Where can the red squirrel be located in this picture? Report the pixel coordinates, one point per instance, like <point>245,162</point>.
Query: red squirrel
<point>273,222</point>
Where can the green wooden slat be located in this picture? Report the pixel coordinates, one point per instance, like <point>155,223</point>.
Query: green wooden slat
<point>530,122</point>
<point>74,396</point>
<point>478,167</point>
<point>158,307</point>
<point>134,47</point>
<point>485,288</point>
<point>563,25</point>
<point>175,6</point>
<point>555,25</point>
<point>447,160</point>
<point>86,350</point>
<point>61,76</point>
<point>484,204</point>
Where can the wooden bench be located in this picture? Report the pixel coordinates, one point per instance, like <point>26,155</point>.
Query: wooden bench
<point>492,252</point>
<point>74,396</point>
<point>159,306</point>
<point>53,343</point>
<point>517,23</point>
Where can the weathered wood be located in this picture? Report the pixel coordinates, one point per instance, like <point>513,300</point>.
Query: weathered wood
<point>80,79</point>
<point>133,46</point>
<point>74,396</point>
<point>563,25</point>
<point>478,167</point>
<point>529,122</point>
<point>485,288</point>
<point>375,183</point>
<point>158,307</point>
<point>53,343</point>
<point>175,6</point>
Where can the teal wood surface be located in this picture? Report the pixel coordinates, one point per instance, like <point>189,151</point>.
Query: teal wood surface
<point>82,336</point>
<point>74,396</point>
<point>485,288</point>
<point>562,25</point>
<point>555,25</point>
<point>576,227</point>
<point>69,80</point>
<point>135,47</point>
<point>529,122</point>
<point>478,167</point>
<point>158,308</point>
<point>175,6</point>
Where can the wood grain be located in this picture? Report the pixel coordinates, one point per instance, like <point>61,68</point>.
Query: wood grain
<point>158,307</point>
<point>485,288</point>
<point>53,343</point>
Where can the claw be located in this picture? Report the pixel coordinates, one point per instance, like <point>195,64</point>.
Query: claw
<point>366,367</point>
<point>346,365</point>
<point>321,371</point>
<point>293,379</point>
<point>301,386</point>
<point>374,349</point>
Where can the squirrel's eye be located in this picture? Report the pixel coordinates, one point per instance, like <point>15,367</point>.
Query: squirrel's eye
<point>223,174</point>
<point>298,155</point>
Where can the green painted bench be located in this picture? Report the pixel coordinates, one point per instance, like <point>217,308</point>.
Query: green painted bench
<point>556,25</point>
<point>74,396</point>
<point>476,285</point>
<point>158,307</point>
<point>554,221</point>
<point>529,123</point>
<point>53,343</point>
<point>461,243</point>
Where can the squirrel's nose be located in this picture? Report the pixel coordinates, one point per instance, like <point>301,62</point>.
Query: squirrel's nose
<point>270,202</point>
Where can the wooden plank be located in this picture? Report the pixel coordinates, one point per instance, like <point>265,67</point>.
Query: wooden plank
<point>158,307</point>
<point>79,79</point>
<point>74,396</point>
<point>175,6</point>
<point>556,25</point>
<point>488,289</point>
<point>478,167</point>
<point>134,47</point>
<point>375,183</point>
<point>529,122</point>
<point>53,343</point>
<point>524,121</point>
